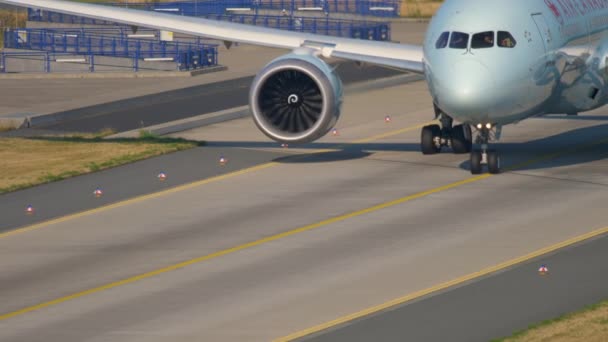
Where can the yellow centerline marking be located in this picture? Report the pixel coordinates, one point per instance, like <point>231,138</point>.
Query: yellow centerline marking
<point>468,277</point>
<point>244,246</point>
<point>443,286</point>
<point>135,200</point>
<point>203,258</point>
<point>392,133</point>
<point>186,186</point>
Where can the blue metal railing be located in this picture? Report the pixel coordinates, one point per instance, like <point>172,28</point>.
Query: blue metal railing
<point>341,28</point>
<point>372,30</point>
<point>188,55</point>
<point>381,8</point>
<point>187,60</point>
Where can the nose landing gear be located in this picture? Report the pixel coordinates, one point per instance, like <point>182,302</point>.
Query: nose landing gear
<point>487,156</point>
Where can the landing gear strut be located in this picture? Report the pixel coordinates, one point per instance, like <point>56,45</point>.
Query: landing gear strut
<point>485,155</point>
<point>434,137</point>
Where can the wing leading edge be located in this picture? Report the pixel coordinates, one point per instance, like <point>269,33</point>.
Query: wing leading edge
<point>407,57</point>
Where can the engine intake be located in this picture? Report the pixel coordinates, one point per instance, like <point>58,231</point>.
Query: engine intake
<point>296,98</point>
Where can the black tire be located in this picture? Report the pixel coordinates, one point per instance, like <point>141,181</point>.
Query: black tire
<point>493,162</point>
<point>427,139</point>
<point>461,139</point>
<point>475,162</point>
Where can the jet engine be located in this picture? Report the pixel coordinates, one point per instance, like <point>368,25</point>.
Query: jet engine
<point>296,98</point>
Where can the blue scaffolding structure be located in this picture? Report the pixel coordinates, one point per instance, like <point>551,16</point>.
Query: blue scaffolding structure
<point>187,55</point>
<point>373,30</point>
<point>370,30</point>
<point>380,8</point>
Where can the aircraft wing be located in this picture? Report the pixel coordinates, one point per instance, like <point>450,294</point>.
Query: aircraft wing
<point>407,57</point>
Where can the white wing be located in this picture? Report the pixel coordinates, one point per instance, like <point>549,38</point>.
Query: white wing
<point>407,57</point>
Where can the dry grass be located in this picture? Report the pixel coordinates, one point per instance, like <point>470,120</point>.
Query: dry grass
<point>11,19</point>
<point>419,8</point>
<point>590,325</point>
<point>6,128</point>
<point>28,162</point>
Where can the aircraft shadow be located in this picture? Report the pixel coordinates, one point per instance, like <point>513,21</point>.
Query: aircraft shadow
<point>323,157</point>
<point>99,139</point>
<point>574,147</point>
<point>576,117</point>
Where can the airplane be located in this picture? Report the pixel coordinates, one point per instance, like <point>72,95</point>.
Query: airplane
<point>487,63</point>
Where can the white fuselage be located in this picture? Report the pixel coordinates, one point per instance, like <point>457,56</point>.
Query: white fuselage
<point>555,61</point>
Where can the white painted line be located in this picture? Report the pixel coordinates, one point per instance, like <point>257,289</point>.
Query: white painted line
<point>70,60</point>
<point>310,8</point>
<point>391,9</point>
<point>236,9</point>
<point>159,59</point>
<point>141,35</point>
<point>382,9</point>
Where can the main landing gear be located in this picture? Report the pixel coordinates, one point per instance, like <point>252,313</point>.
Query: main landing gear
<point>485,133</point>
<point>459,138</point>
<point>434,137</point>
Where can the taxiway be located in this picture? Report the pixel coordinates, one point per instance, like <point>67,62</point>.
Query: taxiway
<point>355,220</point>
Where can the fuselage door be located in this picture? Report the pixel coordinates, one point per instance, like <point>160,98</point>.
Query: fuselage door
<point>543,29</point>
<point>541,72</point>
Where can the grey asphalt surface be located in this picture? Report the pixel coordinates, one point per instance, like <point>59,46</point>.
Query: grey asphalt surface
<point>286,285</point>
<point>76,194</point>
<point>172,105</point>
<point>276,287</point>
<point>491,307</point>
<point>183,167</point>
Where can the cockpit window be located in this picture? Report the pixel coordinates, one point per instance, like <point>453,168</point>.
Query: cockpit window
<point>506,40</point>
<point>442,42</point>
<point>459,40</point>
<point>483,40</point>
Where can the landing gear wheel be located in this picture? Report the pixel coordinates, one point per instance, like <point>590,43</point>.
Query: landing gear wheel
<point>428,138</point>
<point>461,139</point>
<point>475,162</point>
<point>493,162</point>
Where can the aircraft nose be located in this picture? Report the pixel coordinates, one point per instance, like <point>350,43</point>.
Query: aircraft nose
<point>468,90</point>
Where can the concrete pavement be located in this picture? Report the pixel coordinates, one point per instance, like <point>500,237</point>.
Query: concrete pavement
<point>265,253</point>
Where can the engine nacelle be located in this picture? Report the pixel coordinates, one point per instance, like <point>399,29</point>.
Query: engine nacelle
<point>296,98</point>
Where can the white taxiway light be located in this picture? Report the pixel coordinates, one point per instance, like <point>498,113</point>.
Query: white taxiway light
<point>543,269</point>
<point>335,132</point>
<point>162,176</point>
<point>29,210</point>
<point>223,160</point>
<point>98,193</point>
<point>284,145</point>
<point>387,119</point>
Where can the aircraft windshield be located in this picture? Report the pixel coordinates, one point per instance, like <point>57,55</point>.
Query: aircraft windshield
<point>442,42</point>
<point>459,40</point>
<point>506,40</point>
<point>483,40</point>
